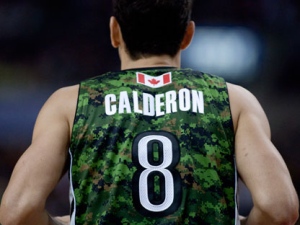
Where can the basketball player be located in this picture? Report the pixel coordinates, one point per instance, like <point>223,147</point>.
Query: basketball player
<point>151,143</point>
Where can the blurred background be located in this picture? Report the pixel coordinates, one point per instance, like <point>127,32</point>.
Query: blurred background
<point>45,45</point>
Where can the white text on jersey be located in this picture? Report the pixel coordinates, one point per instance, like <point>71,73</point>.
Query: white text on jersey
<point>155,105</point>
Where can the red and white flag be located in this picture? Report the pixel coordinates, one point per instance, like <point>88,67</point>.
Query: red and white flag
<point>152,81</point>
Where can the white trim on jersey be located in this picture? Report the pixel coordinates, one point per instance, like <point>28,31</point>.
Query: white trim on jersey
<point>237,218</point>
<point>71,192</point>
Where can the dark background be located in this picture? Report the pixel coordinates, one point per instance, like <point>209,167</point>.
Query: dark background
<point>45,45</point>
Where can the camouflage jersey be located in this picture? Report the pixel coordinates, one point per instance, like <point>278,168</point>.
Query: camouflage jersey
<point>153,146</point>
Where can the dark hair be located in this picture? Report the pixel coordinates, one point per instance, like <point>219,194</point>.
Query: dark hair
<point>152,27</point>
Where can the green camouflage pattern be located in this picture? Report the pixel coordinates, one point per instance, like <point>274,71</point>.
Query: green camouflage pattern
<point>102,167</point>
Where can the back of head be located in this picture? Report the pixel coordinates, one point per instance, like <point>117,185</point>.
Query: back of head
<point>152,27</point>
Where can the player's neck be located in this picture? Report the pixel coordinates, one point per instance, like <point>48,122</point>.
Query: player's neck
<point>154,61</point>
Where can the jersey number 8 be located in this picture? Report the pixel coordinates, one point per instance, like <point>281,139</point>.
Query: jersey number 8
<point>156,183</point>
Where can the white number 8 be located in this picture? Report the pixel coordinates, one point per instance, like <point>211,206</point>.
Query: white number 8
<point>164,168</point>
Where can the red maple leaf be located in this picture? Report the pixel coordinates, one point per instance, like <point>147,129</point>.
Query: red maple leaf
<point>153,81</point>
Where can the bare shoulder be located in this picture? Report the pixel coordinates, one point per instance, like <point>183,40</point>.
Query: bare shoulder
<point>240,95</point>
<point>60,107</point>
<point>243,104</point>
<point>64,99</point>
<point>66,93</point>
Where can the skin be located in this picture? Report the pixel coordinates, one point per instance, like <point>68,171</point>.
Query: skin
<point>42,165</point>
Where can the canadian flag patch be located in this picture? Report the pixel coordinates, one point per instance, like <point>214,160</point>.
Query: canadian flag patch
<point>154,82</point>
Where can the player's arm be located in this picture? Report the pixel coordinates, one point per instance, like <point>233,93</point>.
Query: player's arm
<point>259,163</point>
<point>42,165</point>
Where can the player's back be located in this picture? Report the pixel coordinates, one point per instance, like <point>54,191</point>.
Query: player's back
<point>153,146</point>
